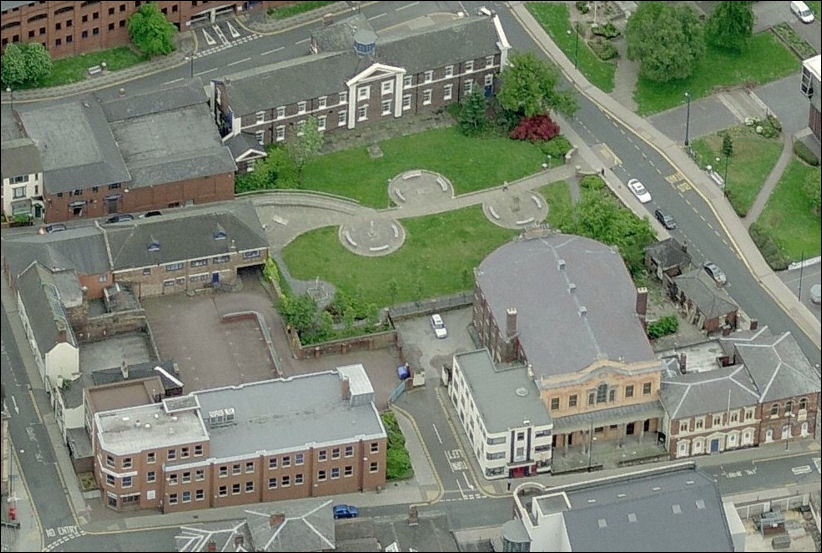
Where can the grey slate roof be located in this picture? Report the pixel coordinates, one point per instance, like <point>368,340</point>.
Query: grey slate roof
<point>606,524</point>
<point>81,248</point>
<point>140,370</point>
<point>185,234</point>
<point>524,274</point>
<point>776,364</point>
<point>285,414</point>
<point>242,143</point>
<point>699,393</point>
<point>668,253</point>
<point>712,300</point>
<point>223,533</point>
<point>307,527</point>
<point>505,397</point>
<point>290,81</point>
<point>168,136</point>
<point>20,157</point>
<point>45,314</point>
<point>76,145</point>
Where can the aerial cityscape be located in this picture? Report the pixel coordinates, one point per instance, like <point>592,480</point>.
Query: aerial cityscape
<point>411,276</point>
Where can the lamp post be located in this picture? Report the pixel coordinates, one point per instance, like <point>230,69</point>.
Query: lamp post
<point>687,117</point>
<point>576,44</point>
<point>11,97</point>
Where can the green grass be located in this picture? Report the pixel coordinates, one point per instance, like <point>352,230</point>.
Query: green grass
<point>469,163</point>
<point>749,166</point>
<point>765,60</point>
<point>788,217</point>
<point>558,196</point>
<point>814,5</point>
<point>553,16</point>
<point>438,257</point>
<point>294,9</point>
<point>73,69</point>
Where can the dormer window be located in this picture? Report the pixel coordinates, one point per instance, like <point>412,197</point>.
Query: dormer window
<point>154,245</point>
<point>220,233</point>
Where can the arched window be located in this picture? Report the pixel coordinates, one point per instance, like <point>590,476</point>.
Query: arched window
<point>788,407</point>
<point>774,409</point>
<point>803,404</point>
<point>602,393</point>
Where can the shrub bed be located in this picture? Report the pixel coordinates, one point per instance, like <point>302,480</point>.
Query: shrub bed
<point>602,48</point>
<point>668,324</point>
<point>804,153</point>
<point>397,459</point>
<point>770,251</point>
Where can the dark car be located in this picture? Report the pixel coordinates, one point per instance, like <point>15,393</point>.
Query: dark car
<point>345,511</point>
<point>666,220</point>
<point>154,213</point>
<point>120,217</point>
<point>55,227</point>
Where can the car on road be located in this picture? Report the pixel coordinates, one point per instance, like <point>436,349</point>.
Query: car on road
<point>715,272</point>
<point>639,191</point>
<point>816,293</point>
<point>802,11</point>
<point>439,327</point>
<point>120,217</point>
<point>154,213</point>
<point>666,220</point>
<point>345,511</point>
<point>54,227</point>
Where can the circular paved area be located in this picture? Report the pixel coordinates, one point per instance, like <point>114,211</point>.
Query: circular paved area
<point>375,236</point>
<point>419,187</point>
<point>515,209</point>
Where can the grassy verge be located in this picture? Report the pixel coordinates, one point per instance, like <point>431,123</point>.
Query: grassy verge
<point>748,167</point>
<point>470,164</point>
<point>553,16</point>
<point>788,217</point>
<point>437,258</point>
<point>814,5</point>
<point>294,9</point>
<point>719,68</point>
<point>73,69</point>
<point>792,38</point>
<point>558,196</point>
<point>397,459</point>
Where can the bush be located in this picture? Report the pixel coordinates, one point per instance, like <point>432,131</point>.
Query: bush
<point>538,127</point>
<point>591,182</point>
<point>22,218</point>
<point>804,153</point>
<point>583,7</point>
<point>557,147</point>
<point>607,30</point>
<point>397,459</point>
<point>668,324</point>
<point>602,48</point>
<point>770,251</point>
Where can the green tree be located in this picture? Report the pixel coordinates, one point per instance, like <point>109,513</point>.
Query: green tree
<point>666,39</point>
<point>25,63</point>
<point>303,148</point>
<point>299,311</point>
<point>38,62</point>
<point>473,119</point>
<point>528,87</point>
<point>150,31</point>
<point>811,188</point>
<point>727,145</point>
<point>730,26</point>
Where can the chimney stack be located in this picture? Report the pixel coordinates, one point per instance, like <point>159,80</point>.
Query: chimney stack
<point>346,388</point>
<point>510,322</point>
<point>685,246</point>
<point>276,519</point>
<point>754,324</point>
<point>211,546</point>
<point>238,541</point>
<point>124,369</point>
<point>61,334</point>
<point>641,304</point>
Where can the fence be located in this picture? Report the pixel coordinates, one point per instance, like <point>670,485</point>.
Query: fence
<point>397,391</point>
<point>367,342</point>
<point>434,305</point>
<point>782,503</point>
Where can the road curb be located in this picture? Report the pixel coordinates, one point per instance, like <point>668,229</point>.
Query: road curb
<point>409,418</point>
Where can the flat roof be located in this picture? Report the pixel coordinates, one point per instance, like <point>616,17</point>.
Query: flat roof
<point>287,414</point>
<point>124,394</point>
<point>506,397</point>
<point>814,65</point>
<point>134,429</point>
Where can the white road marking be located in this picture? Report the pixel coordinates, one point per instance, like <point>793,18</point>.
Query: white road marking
<point>16,409</point>
<point>432,424</point>
<point>373,17</point>
<point>239,61</point>
<point>407,6</point>
<point>470,486</point>
<point>272,51</point>
<point>804,469</point>
<point>174,81</point>
<point>301,41</point>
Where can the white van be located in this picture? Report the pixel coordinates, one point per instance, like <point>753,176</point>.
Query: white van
<point>802,11</point>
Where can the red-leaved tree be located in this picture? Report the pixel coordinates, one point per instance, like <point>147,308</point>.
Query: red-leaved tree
<point>538,127</point>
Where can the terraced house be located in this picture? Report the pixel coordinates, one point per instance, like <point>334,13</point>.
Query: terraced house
<point>355,77</point>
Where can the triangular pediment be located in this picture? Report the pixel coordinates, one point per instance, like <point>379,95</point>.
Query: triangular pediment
<point>374,72</point>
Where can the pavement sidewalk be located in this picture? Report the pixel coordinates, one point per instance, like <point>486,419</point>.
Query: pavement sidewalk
<point>29,536</point>
<point>698,179</point>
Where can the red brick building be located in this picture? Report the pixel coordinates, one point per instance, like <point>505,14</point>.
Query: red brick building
<point>71,28</point>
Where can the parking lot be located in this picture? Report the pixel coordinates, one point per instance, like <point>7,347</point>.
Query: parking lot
<point>424,351</point>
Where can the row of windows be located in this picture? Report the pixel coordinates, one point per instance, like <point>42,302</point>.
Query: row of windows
<point>803,405</point>
<point>184,477</point>
<point>79,191</point>
<point>151,456</point>
<point>603,393</point>
<point>199,495</point>
<point>171,267</point>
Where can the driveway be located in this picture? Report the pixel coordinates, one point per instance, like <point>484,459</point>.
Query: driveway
<point>424,351</point>
<point>786,101</point>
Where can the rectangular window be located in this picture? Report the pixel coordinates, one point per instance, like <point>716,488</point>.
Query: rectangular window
<point>286,460</point>
<point>280,133</point>
<point>286,481</point>
<point>298,479</point>
<point>110,461</point>
<point>717,420</point>
<point>171,267</point>
<point>249,486</point>
<point>272,483</point>
<point>629,390</point>
<point>186,477</point>
<point>172,479</point>
<point>342,117</point>
<point>126,481</point>
<point>198,450</point>
<point>272,463</point>
<point>235,469</point>
<point>19,192</point>
<point>362,113</point>
<point>447,91</point>
<point>612,395</point>
<point>335,472</point>
<point>109,480</point>
<point>375,447</point>
<point>199,474</point>
<point>321,102</point>
<point>260,116</point>
<point>199,495</point>
<point>469,66</point>
<point>221,259</point>
<point>426,97</point>
<point>321,122</point>
<point>386,107</point>
<point>321,475</point>
<point>151,476</point>
<point>199,263</point>
<point>349,451</point>
<point>168,283</point>
<point>387,87</point>
<point>646,388</point>
<point>407,81</point>
<point>249,466</point>
<point>469,86</point>
<point>428,76</point>
<point>298,459</point>
<point>172,454</point>
<point>343,97</point>
<point>260,137</point>
<point>348,471</point>
<point>363,93</point>
<point>554,403</point>
<point>489,79</point>
<point>172,499</point>
<point>223,491</point>
<point>591,397</point>
<point>235,488</point>
<point>683,426</point>
<point>151,457</point>
<point>186,497</point>
<point>406,102</point>
<point>223,471</point>
<point>300,107</point>
<point>572,400</point>
<point>335,453</point>
<point>449,71</point>
<point>280,112</point>
<point>322,455</point>
<point>374,467</point>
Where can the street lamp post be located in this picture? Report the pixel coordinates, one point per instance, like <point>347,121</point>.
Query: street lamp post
<point>687,117</point>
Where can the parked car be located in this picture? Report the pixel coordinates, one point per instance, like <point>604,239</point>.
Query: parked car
<point>639,191</point>
<point>54,227</point>
<point>816,293</point>
<point>345,511</point>
<point>666,220</point>
<point>120,217</point>
<point>716,273</point>
<point>154,213</point>
<point>439,327</point>
<point>802,11</point>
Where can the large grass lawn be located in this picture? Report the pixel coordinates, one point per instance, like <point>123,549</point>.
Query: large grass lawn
<point>73,69</point>
<point>788,217</point>
<point>767,59</point>
<point>749,166</point>
<point>553,16</point>
<point>558,196</point>
<point>438,257</point>
<point>469,163</point>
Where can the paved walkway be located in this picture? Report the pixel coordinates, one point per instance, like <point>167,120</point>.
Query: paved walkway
<point>770,183</point>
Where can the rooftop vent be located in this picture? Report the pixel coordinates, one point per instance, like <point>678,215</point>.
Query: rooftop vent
<point>560,264</point>
<point>221,417</point>
<point>220,233</point>
<point>571,287</point>
<point>700,503</point>
<point>582,311</point>
<point>676,508</point>
<point>602,523</point>
<point>147,426</point>
<point>522,392</point>
<point>365,42</point>
<point>631,517</point>
<point>656,488</point>
<point>154,245</point>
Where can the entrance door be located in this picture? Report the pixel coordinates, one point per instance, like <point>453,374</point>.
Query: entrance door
<point>215,278</point>
<point>629,428</point>
<point>111,205</point>
<point>38,211</point>
<point>714,446</point>
<point>646,425</point>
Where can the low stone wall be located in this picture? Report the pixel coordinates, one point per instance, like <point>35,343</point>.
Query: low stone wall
<point>368,342</point>
<point>263,326</point>
<point>105,326</point>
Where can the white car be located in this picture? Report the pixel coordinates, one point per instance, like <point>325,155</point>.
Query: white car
<point>639,191</point>
<point>802,11</point>
<point>438,326</point>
